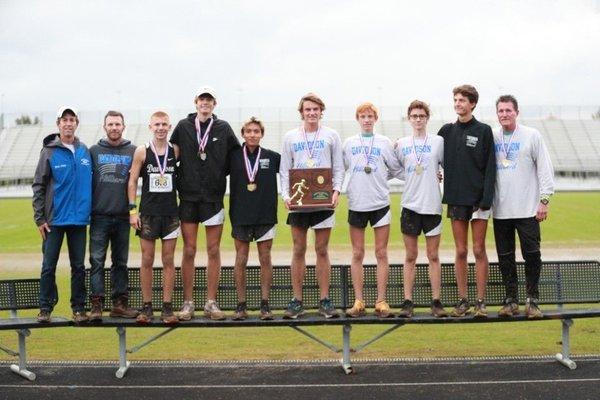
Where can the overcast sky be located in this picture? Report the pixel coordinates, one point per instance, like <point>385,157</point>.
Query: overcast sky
<point>146,54</point>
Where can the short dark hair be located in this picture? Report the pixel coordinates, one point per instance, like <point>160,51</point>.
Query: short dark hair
<point>113,113</point>
<point>254,120</point>
<point>505,98</point>
<point>468,91</point>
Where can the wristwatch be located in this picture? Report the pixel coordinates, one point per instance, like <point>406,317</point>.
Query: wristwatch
<point>545,201</point>
<point>132,206</point>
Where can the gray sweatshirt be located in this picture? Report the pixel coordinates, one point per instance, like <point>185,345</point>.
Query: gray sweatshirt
<point>111,165</point>
<point>525,177</point>
<point>326,154</point>
<point>421,190</point>
<point>369,191</point>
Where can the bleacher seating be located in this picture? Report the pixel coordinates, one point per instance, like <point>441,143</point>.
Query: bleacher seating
<point>573,144</point>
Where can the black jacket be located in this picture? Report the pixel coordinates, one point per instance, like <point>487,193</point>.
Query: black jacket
<point>469,164</point>
<point>199,180</point>
<point>258,207</point>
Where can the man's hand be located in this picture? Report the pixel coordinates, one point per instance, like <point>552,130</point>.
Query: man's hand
<point>43,228</point>
<point>134,221</point>
<point>335,198</point>
<point>542,212</point>
<point>287,204</point>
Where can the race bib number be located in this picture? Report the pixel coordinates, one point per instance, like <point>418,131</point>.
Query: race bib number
<point>161,183</point>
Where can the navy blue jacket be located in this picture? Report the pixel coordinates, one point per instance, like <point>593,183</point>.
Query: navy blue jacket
<point>62,186</point>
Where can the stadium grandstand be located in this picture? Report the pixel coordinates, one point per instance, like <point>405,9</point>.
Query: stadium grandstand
<point>572,137</point>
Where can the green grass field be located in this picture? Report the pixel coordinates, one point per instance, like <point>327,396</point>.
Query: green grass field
<point>574,221</point>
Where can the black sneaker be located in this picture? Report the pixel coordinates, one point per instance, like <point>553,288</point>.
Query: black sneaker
<point>167,315</point>
<point>146,315</point>
<point>480,310</point>
<point>265,311</point>
<point>461,308</point>
<point>407,309</point>
<point>43,317</point>
<point>326,309</point>
<point>510,307</point>
<point>437,309</point>
<point>240,312</point>
<point>532,310</point>
<point>294,309</point>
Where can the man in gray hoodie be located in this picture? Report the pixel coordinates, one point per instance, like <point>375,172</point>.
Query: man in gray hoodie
<point>111,160</point>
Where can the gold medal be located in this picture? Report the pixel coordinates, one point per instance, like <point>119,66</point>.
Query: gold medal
<point>251,187</point>
<point>310,163</point>
<point>506,162</point>
<point>162,181</point>
<point>368,169</point>
<point>419,169</point>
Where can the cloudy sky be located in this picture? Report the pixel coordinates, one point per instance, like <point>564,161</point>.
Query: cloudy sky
<point>147,54</point>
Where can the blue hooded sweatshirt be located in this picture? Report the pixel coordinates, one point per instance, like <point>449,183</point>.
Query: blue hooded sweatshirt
<point>62,186</point>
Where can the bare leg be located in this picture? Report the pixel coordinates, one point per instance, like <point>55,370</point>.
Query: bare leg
<point>146,270</point>
<point>323,264</point>
<point>357,238</point>
<point>412,251</point>
<point>266,267</point>
<point>213,266</point>
<point>239,270</point>
<point>168,252</point>
<point>189,231</point>
<point>479,230</point>
<point>298,265</point>
<point>435,269</point>
<point>460,230</point>
<point>382,235</point>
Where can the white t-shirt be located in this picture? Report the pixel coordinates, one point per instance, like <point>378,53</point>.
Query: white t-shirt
<point>524,177</point>
<point>69,146</point>
<point>422,192</point>
<point>369,191</point>
<point>327,153</point>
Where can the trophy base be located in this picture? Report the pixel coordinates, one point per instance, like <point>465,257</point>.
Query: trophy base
<point>310,206</point>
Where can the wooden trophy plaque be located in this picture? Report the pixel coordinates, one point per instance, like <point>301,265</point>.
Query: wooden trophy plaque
<point>310,188</point>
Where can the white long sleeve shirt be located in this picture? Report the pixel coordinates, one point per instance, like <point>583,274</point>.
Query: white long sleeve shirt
<point>422,192</point>
<point>327,153</point>
<point>526,176</point>
<point>369,191</point>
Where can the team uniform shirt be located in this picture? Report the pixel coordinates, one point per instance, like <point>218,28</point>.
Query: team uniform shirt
<point>421,191</point>
<point>159,195</point>
<point>257,207</point>
<point>527,175</point>
<point>327,153</point>
<point>369,191</point>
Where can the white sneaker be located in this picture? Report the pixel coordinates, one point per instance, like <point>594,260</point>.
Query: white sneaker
<point>187,311</point>
<point>212,311</point>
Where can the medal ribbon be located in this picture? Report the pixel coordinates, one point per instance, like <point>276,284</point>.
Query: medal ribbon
<point>419,157</point>
<point>202,140</point>
<point>506,149</point>
<point>161,168</point>
<point>250,170</point>
<point>310,150</point>
<point>367,152</point>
